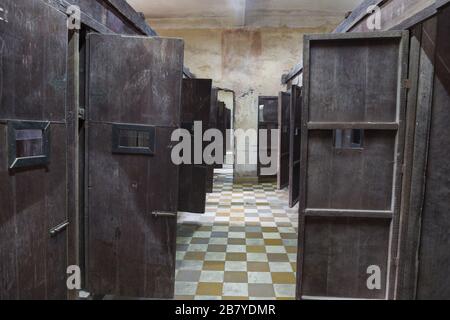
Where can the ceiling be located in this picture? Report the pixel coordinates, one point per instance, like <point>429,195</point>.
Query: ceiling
<point>259,13</point>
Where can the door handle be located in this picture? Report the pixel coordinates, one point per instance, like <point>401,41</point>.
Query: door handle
<point>164,214</point>
<point>59,228</point>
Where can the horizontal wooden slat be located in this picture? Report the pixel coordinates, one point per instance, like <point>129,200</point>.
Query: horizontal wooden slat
<point>330,298</point>
<point>353,125</point>
<point>298,68</point>
<point>357,15</point>
<point>383,214</point>
<point>354,35</point>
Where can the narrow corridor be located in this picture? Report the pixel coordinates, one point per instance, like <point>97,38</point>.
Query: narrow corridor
<point>243,247</point>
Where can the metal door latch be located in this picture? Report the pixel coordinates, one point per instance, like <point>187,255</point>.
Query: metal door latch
<point>81,113</point>
<point>407,84</point>
<point>54,231</point>
<point>164,214</point>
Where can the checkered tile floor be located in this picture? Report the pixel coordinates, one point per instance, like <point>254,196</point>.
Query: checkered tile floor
<point>243,247</point>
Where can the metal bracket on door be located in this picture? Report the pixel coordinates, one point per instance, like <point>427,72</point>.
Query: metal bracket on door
<point>59,228</point>
<point>164,214</point>
<point>3,15</point>
<point>81,113</point>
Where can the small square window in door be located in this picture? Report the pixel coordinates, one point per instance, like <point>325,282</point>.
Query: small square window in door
<point>28,143</point>
<point>348,138</point>
<point>133,139</point>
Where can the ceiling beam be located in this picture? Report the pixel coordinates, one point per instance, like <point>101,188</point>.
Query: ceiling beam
<point>360,13</point>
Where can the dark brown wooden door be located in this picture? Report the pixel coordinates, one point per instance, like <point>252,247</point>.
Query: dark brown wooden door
<point>212,124</point>
<point>267,120</point>
<point>294,144</point>
<point>33,150</point>
<point>134,99</point>
<point>221,125</point>
<point>351,163</point>
<point>284,101</point>
<point>195,106</point>
<point>227,136</point>
<point>433,113</point>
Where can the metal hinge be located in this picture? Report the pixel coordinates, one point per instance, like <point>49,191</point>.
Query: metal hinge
<point>81,113</point>
<point>407,84</point>
<point>54,231</point>
<point>164,214</point>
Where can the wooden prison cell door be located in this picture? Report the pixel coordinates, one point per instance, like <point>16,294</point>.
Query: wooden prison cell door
<point>195,106</point>
<point>33,152</point>
<point>134,93</point>
<point>351,164</point>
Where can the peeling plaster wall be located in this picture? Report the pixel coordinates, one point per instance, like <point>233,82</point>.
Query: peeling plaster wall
<point>248,61</point>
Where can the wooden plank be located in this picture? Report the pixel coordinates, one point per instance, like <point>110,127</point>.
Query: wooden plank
<point>434,256</point>
<point>284,101</point>
<point>195,107</point>
<point>212,124</point>
<point>267,120</point>
<point>33,199</point>
<point>303,170</point>
<point>395,14</point>
<point>295,71</point>
<point>361,180</point>
<point>416,14</point>
<point>339,250</point>
<point>398,164</point>
<point>8,237</point>
<point>294,145</point>
<point>110,16</point>
<point>95,15</point>
<point>353,64</point>
<point>357,15</point>
<point>221,126</point>
<point>131,246</point>
<point>346,178</point>
<point>386,214</point>
<point>410,219</point>
<point>353,125</point>
<point>354,35</point>
<point>73,94</point>
<point>137,19</point>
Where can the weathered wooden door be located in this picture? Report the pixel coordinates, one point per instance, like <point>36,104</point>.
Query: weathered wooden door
<point>267,120</point>
<point>134,96</point>
<point>284,101</point>
<point>195,107</point>
<point>212,124</point>
<point>424,248</point>
<point>227,137</point>
<point>33,151</point>
<point>221,125</point>
<point>351,164</point>
<point>294,144</point>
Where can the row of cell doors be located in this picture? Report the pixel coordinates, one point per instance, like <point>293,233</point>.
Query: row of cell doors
<point>282,113</point>
<point>352,134</point>
<point>87,177</point>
